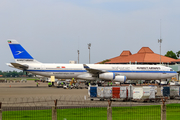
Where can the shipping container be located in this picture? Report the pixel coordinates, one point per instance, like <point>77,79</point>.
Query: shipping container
<point>93,91</point>
<point>130,91</point>
<point>155,88</point>
<point>115,92</point>
<point>107,93</point>
<point>152,93</point>
<point>123,92</point>
<point>146,90</point>
<point>141,93</point>
<point>165,91</point>
<point>137,93</point>
<point>100,92</point>
<point>174,91</point>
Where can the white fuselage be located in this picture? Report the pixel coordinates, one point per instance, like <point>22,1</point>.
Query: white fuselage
<point>77,71</point>
<point>117,73</point>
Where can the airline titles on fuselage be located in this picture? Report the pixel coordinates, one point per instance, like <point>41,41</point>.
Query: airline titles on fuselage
<point>121,68</point>
<point>149,68</point>
<point>138,68</point>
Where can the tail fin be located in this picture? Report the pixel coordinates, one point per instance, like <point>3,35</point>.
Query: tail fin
<point>19,53</point>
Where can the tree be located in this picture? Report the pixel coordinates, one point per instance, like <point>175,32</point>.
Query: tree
<point>104,61</point>
<point>12,74</point>
<point>178,53</point>
<point>171,54</point>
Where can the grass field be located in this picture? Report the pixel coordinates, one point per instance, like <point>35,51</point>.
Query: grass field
<point>173,112</point>
<point>98,113</point>
<point>19,78</point>
<point>27,115</point>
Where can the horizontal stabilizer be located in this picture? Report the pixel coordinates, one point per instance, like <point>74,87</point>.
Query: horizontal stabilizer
<point>19,66</point>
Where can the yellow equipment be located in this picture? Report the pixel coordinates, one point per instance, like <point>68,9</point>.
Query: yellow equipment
<point>73,81</point>
<point>174,79</point>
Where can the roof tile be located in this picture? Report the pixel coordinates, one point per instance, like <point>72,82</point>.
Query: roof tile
<point>144,55</point>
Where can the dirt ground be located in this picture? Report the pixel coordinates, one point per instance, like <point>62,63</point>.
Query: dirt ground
<point>19,94</point>
<point>29,89</point>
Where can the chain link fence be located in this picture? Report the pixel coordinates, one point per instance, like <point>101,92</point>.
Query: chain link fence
<point>82,108</point>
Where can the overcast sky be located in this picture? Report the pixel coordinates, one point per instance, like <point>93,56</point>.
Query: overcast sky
<point>53,30</point>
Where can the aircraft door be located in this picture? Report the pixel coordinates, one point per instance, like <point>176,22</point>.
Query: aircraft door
<point>43,68</point>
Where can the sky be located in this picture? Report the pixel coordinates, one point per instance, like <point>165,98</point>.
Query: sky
<point>53,30</point>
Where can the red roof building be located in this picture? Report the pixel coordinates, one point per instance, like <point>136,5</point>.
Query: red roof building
<point>144,56</point>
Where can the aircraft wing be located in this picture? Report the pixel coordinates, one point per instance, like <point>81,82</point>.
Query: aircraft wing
<point>20,66</point>
<point>93,71</point>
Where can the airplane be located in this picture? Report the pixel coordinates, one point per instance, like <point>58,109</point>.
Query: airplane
<point>96,72</point>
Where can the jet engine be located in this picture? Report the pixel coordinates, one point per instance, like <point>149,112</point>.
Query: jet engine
<point>112,76</point>
<point>120,79</point>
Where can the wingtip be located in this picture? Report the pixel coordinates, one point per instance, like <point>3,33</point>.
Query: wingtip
<point>85,66</point>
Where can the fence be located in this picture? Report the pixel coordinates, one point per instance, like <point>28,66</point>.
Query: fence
<point>81,108</point>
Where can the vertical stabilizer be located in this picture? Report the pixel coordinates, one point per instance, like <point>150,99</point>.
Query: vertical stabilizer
<point>19,53</point>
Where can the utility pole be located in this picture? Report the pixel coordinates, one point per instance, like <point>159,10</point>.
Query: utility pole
<point>78,56</point>
<point>160,41</point>
<point>89,45</point>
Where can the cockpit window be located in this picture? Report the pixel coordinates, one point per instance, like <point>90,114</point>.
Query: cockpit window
<point>171,69</point>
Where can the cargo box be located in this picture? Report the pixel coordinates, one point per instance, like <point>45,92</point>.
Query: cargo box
<point>123,92</point>
<point>155,88</point>
<point>115,92</point>
<point>107,93</point>
<point>130,91</point>
<point>137,93</point>
<point>146,91</point>
<point>93,91</point>
<point>152,93</point>
<point>174,91</point>
<point>165,91</point>
<point>100,92</point>
<point>141,93</point>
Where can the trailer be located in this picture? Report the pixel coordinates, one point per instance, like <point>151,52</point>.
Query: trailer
<point>110,92</point>
<point>145,93</point>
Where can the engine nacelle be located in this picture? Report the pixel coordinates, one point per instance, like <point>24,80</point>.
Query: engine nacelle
<point>121,79</point>
<point>107,76</point>
<point>112,76</point>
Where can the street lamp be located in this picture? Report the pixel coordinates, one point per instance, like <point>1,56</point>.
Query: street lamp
<point>89,45</point>
<point>160,41</point>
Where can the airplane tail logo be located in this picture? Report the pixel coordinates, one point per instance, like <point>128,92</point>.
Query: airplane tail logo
<point>19,53</point>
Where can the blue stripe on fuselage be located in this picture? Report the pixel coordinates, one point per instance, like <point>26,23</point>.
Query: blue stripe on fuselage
<point>108,71</point>
<point>56,70</point>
